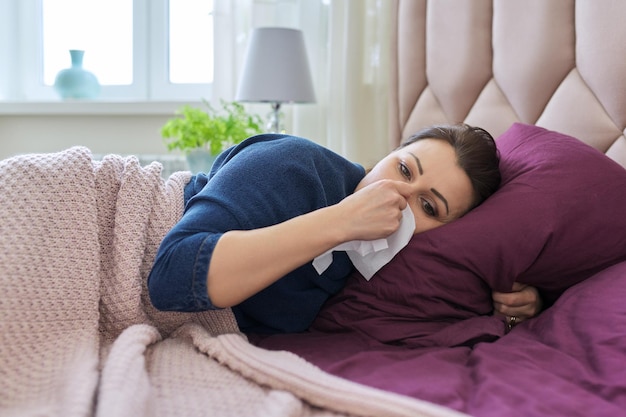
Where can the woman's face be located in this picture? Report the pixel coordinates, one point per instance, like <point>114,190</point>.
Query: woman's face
<point>441,190</point>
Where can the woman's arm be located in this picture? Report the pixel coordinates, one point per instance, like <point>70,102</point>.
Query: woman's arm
<point>245,262</point>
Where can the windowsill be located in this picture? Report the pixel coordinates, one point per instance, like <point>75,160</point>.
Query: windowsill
<point>96,108</point>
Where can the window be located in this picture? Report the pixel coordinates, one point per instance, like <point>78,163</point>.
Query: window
<point>138,49</point>
<point>110,56</point>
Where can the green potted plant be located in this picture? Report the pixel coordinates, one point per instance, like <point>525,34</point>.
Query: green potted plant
<point>202,134</point>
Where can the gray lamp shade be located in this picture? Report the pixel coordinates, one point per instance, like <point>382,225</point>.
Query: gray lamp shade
<point>276,68</point>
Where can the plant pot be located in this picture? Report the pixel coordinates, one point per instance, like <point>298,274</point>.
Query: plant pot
<point>200,160</point>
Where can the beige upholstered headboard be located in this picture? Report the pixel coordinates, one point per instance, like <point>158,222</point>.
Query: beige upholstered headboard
<point>559,64</point>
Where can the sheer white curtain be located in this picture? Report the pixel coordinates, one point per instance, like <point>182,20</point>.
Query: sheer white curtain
<point>347,42</point>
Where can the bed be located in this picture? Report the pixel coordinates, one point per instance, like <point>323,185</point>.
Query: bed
<point>78,336</point>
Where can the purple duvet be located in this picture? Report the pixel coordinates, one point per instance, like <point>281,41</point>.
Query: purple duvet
<point>568,361</point>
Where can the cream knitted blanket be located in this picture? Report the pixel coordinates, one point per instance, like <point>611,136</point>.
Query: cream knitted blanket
<point>78,335</point>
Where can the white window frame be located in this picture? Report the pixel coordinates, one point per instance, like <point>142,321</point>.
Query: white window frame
<point>21,58</point>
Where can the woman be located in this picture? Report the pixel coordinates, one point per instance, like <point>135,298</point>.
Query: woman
<point>273,203</point>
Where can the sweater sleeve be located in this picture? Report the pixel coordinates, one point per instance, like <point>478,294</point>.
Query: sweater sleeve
<point>266,180</point>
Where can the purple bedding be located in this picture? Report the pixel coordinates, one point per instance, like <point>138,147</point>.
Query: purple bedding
<point>568,361</point>
<point>423,327</point>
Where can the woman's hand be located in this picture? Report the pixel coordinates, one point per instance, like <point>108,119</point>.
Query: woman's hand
<point>374,211</point>
<point>523,302</point>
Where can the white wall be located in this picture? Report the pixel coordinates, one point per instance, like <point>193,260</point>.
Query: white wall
<point>120,128</point>
<point>134,134</point>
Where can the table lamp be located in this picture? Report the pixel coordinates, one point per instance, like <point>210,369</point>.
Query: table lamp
<point>276,70</point>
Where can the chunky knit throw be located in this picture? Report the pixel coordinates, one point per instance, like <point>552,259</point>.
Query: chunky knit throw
<point>78,335</point>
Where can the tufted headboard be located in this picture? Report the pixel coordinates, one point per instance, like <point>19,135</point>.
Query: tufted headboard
<point>558,64</point>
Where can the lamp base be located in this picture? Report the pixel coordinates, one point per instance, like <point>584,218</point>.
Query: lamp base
<point>274,124</point>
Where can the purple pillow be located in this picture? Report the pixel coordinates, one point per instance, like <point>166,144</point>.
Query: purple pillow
<point>558,218</point>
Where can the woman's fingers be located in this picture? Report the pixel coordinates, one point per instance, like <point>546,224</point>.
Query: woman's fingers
<point>375,211</point>
<point>522,303</point>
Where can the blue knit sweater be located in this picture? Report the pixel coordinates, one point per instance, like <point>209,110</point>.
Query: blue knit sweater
<point>265,180</point>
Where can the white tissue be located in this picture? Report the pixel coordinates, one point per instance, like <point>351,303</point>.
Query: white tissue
<point>368,256</point>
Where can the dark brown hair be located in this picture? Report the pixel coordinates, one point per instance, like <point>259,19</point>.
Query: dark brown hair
<point>476,154</point>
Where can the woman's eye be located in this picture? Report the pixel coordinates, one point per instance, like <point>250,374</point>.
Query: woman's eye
<point>428,208</point>
<point>404,170</point>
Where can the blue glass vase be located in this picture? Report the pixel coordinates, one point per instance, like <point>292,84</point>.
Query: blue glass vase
<point>76,82</point>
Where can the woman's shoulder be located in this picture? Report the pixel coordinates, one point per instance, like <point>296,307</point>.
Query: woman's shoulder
<point>283,141</point>
<point>280,152</point>
<point>279,147</point>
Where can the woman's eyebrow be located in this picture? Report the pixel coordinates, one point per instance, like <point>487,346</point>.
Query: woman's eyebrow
<point>442,198</point>
<point>419,164</point>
